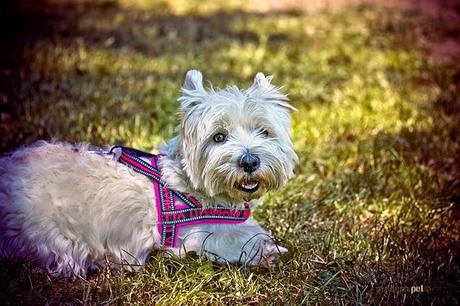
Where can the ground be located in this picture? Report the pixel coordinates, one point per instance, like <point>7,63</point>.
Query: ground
<point>372,214</point>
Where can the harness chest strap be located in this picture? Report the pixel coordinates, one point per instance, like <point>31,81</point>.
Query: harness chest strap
<point>176,209</point>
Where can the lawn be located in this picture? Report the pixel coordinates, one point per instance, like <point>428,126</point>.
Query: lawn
<point>372,213</point>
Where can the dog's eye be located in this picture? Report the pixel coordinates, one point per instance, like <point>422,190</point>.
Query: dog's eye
<point>219,137</point>
<point>263,132</point>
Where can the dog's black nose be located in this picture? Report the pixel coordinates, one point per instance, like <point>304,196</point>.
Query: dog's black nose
<point>249,162</point>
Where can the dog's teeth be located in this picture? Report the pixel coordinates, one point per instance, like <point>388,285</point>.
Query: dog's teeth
<point>249,184</point>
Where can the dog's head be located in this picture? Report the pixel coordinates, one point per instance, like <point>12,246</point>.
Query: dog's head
<point>235,143</point>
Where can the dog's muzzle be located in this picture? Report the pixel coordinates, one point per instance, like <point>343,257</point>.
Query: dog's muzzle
<point>249,162</point>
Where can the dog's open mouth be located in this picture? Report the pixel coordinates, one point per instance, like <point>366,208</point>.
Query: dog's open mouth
<point>249,185</point>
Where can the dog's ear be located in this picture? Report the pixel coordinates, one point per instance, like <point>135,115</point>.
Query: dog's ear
<point>193,91</point>
<point>193,80</point>
<point>263,89</point>
<point>260,80</point>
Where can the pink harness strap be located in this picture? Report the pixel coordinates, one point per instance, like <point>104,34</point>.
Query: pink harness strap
<point>176,209</point>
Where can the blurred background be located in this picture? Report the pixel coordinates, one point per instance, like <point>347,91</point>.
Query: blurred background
<point>373,208</point>
<point>82,70</point>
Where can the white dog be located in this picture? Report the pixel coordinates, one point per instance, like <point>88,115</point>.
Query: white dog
<point>71,211</point>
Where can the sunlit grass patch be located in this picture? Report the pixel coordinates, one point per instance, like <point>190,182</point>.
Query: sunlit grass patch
<point>185,7</point>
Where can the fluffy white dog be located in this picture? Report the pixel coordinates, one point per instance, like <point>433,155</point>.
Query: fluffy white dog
<point>71,211</point>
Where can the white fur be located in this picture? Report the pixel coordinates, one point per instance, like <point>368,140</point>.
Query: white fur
<point>71,211</point>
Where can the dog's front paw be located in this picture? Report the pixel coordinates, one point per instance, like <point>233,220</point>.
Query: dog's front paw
<point>273,254</point>
<point>264,252</point>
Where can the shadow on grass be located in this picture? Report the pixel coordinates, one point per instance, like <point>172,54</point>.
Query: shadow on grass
<point>424,235</point>
<point>422,178</point>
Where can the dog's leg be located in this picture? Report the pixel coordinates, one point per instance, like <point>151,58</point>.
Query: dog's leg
<point>43,244</point>
<point>245,243</point>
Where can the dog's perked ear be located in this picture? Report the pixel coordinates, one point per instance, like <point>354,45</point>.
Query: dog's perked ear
<point>262,89</point>
<point>193,91</point>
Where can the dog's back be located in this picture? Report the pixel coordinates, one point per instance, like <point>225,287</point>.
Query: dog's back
<point>59,206</point>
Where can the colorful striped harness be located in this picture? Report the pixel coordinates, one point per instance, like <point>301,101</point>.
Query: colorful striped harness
<point>176,209</point>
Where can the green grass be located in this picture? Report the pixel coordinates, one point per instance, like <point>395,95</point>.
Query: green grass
<point>373,208</point>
